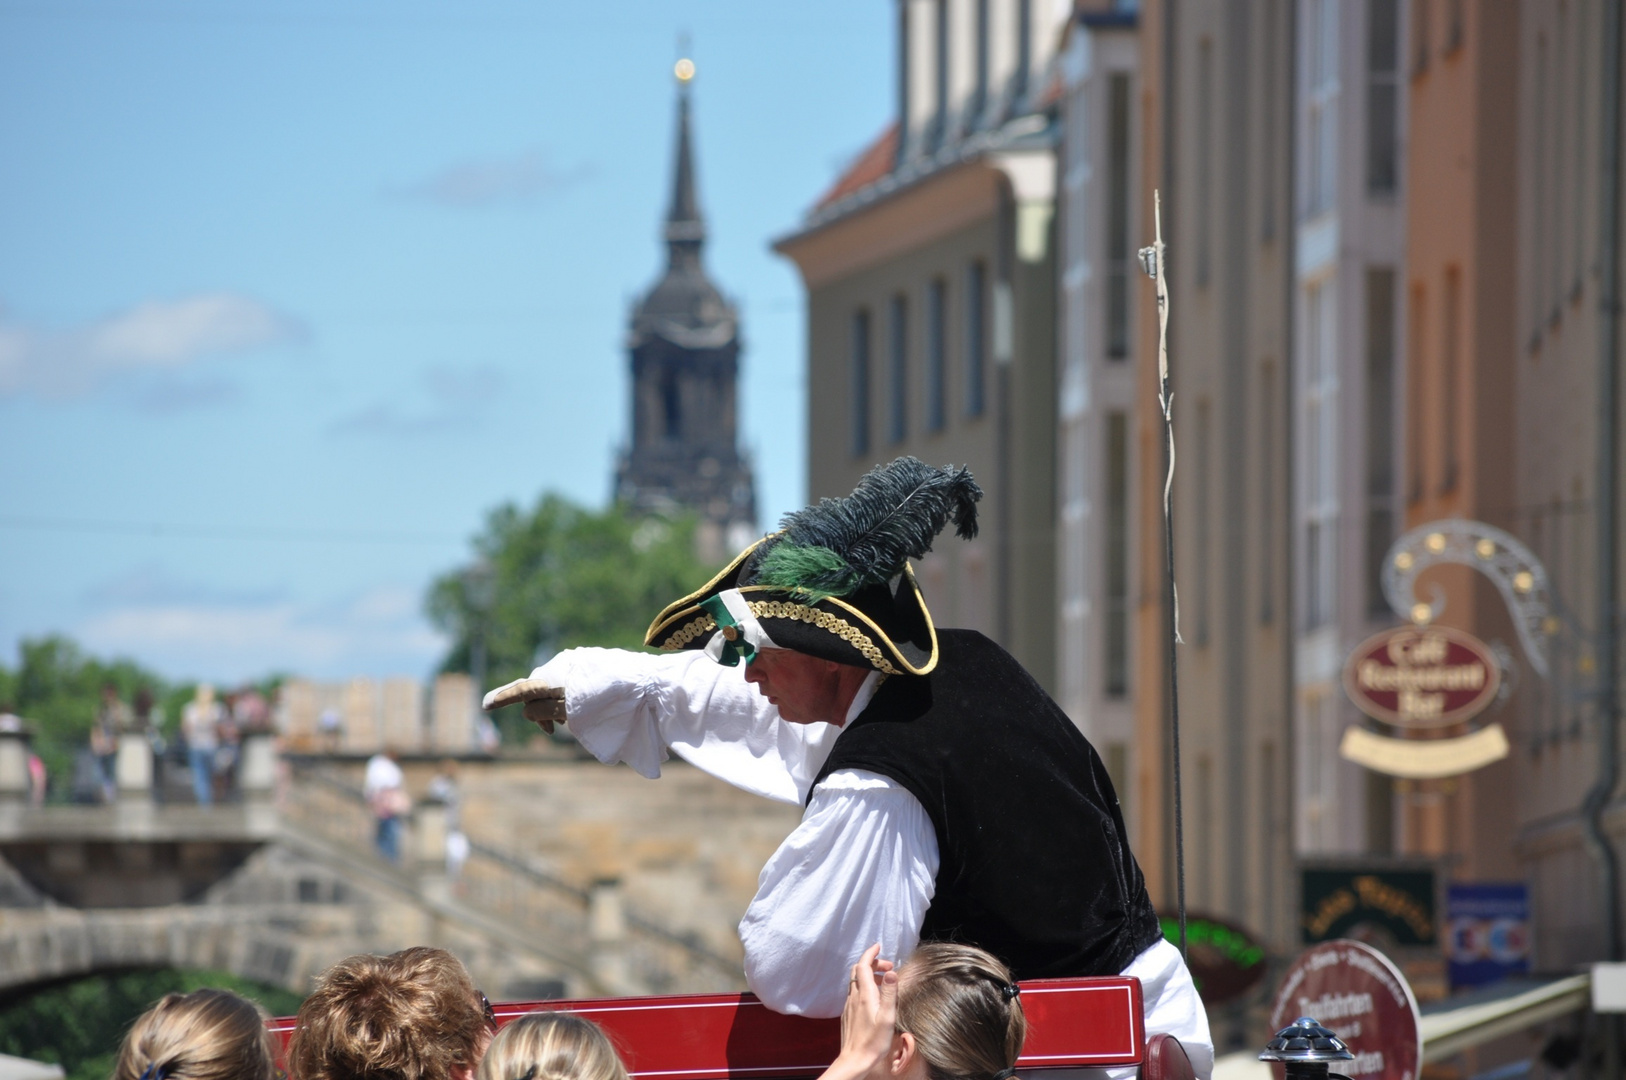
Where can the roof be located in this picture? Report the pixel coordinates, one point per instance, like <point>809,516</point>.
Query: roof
<point>874,162</point>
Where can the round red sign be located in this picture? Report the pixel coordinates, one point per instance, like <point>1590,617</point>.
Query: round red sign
<point>1354,990</point>
<point>1422,676</point>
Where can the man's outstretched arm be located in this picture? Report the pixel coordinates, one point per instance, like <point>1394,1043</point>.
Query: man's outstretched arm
<point>636,707</point>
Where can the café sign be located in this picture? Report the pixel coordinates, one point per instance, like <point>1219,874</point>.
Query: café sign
<point>1422,676</point>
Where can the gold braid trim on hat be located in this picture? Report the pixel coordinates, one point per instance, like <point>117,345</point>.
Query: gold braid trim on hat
<point>841,628</point>
<point>781,609</point>
<point>683,636</point>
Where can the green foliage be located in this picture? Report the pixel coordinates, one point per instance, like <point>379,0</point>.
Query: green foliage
<point>57,689</point>
<point>79,1025</point>
<point>562,576</point>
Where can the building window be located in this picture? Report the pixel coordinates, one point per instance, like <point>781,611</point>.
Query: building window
<point>1380,368</point>
<point>940,74</point>
<point>1205,532</point>
<point>1024,49</point>
<point>936,347</point>
<point>1419,36</point>
<point>1267,491</point>
<point>898,366</point>
<point>671,406</point>
<point>1117,232</point>
<point>1382,97</point>
<point>1205,156</point>
<point>1321,459</point>
<point>1456,27</point>
<point>979,87</point>
<point>860,383</point>
<point>1272,65</point>
<point>1415,339</point>
<point>1450,363</point>
<point>1115,627</point>
<point>1321,106</point>
<point>976,337</point>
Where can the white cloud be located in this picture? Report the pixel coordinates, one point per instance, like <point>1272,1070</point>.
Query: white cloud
<point>456,397</point>
<point>162,336</point>
<point>494,182</point>
<point>184,631</point>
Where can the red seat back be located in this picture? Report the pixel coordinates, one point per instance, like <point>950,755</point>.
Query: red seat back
<point>1166,1060</point>
<point>1071,1022</point>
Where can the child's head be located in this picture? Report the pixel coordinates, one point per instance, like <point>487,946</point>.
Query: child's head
<point>204,1035</point>
<point>551,1046</point>
<point>963,1010</point>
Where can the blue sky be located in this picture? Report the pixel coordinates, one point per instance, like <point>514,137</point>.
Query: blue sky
<point>292,294</point>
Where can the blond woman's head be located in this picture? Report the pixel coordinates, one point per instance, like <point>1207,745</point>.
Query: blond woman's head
<point>204,1035</point>
<point>551,1046</point>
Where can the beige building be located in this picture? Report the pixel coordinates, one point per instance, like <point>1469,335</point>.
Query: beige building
<point>1349,235</point>
<point>930,272</point>
<point>1217,124</point>
<point>1098,543</point>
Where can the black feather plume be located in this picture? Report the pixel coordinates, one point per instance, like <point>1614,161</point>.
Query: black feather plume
<point>839,546</point>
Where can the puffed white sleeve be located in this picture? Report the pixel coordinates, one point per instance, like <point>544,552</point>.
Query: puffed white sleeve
<point>861,868</point>
<point>635,707</point>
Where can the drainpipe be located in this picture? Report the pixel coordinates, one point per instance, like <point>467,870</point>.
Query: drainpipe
<point>1597,799</point>
<point>1607,519</point>
<point>1004,354</point>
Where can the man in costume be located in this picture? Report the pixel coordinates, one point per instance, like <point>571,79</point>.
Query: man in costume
<point>947,796</point>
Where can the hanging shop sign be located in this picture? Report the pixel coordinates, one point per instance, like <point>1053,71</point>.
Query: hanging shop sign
<point>1424,759</point>
<point>1487,931</point>
<point>1225,960</point>
<point>1422,676</point>
<point>1358,993</point>
<point>1345,901</point>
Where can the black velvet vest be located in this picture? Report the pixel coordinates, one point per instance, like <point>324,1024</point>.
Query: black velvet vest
<point>1035,866</point>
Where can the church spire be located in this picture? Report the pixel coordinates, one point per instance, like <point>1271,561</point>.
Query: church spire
<point>685,229</point>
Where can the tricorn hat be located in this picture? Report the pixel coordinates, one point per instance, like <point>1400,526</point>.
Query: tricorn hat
<point>835,580</point>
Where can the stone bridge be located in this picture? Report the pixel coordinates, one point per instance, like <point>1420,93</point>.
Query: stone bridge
<point>582,880</point>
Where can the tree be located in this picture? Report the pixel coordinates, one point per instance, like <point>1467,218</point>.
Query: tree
<point>559,577</point>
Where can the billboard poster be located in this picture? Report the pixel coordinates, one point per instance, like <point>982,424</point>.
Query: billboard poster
<point>1488,932</point>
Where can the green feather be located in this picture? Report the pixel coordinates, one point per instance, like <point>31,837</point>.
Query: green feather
<point>815,573</point>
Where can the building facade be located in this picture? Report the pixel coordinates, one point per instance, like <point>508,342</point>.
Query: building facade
<point>930,274</point>
<point>1098,545</point>
<point>684,341</point>
<point>1349,235</point>
<point>1216,138</point>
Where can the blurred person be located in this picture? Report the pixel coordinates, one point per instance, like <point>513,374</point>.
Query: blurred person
<point>412,1015</point>
<point>385,789</point>
<point>551,1046</point>
<point>112,717</point>
<point>149,720</point>
<point>9,720</point>
<point>204,1035</point>
<point>200,724</point>
<point>443,788</point>
<point>38,779</point>
<point>329,728</point>
<point>228,739</point>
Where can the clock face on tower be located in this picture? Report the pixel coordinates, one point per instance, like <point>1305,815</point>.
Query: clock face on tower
<point>684,345</point>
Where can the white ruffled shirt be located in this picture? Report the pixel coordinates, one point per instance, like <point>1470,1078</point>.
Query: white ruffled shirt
<point>861,867</point>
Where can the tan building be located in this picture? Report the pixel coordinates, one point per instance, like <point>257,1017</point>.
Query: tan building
<point>1216,101</point>
<point>1349,222</point>
<point>1098,544</point>
<point>1503,273</point>
<point>930,271</point>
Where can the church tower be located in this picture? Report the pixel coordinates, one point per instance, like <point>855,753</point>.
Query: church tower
<point>684,342</point>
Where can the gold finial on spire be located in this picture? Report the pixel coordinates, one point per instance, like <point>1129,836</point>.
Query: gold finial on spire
<point>684,70</point>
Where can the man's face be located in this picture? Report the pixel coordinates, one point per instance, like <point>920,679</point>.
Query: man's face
<point>805,689</point>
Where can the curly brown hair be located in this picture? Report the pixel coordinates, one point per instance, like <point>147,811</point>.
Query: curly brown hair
<point>204,1035</point>
<point>412,1015</point>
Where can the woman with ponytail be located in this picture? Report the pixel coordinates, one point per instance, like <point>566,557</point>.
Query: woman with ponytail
<point>551,1046</point>
<point>204,1035</point>
<point>953,1013</point>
